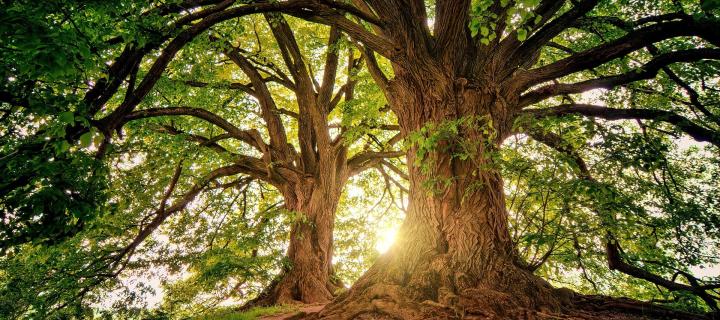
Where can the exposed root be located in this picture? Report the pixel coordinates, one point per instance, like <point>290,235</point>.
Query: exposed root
<point>294,288</point>
<point>519,295</point>
<point>491,304</point>
<point>604,304</point>
<point>437,293</point>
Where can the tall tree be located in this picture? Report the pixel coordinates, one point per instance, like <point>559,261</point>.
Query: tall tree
<point>459,86</point>
<point>310,179</point>
<point>309,165</point>
<point>467,75</point>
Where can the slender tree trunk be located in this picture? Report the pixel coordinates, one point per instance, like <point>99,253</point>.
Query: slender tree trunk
<point>453,256</point>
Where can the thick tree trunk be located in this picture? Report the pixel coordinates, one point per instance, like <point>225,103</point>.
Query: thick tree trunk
<point>454,256</point>
<point>309,276</point>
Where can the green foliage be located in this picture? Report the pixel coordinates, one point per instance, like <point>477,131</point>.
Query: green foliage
<point>66,216</point>
<point>709,5</point>
<point>62,195</point>
<point>467,139</point>
<point>51,185</point>
<point>452,137</point>
<point>252,314</point>
<point>647,191</point>
<point>520,17</point>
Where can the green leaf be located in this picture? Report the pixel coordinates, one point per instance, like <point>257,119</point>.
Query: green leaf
<point>99,137</point>
<point>538,18</point>
<point>67,117</point>
<point>85,139</point>
<point>708,5</point>
<point>62,147</point>
<point>484,31</point>
<point>522,34</point>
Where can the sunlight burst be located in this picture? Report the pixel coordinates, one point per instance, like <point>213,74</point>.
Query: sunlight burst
<point>386,238</point>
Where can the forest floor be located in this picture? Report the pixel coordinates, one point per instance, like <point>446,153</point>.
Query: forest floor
<point>298,310</point>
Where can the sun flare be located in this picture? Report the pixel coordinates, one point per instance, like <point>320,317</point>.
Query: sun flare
<point>386,238</point>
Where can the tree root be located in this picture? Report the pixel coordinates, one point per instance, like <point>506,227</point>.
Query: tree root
<point>385,301</point>
<point>599,303</point>
<point>290,288</point>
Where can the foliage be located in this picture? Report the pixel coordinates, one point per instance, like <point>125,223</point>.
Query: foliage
<point>644,191</point>
<point>52,50</point>
<point>79,188</point>
<point>254,313</point>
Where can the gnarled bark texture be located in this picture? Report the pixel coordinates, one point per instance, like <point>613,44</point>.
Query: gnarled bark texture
<point>454,256</point>
<point>312,179</point>
<point>309,277</point>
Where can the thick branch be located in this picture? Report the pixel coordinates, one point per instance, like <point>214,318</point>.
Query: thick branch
<point>203,141</point>
<point>451,26</point>
<point>375,72</point>
<point>331,65</point>
<point>608,51</point>
<point>533,44</point>
<point>173,47</point>
<point>354,30</point>
<point>647,71</point>
<point>268,109</point>
<point>684,124</point>
<point>255,167</point>
<point>308,115</point>
<point>251,137</point>
<point>616,262</point>
<point>369,159</point>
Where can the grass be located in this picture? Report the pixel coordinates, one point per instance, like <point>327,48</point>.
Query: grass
<point>252,314</point>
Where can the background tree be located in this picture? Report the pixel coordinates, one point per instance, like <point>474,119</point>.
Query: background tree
<point>310,180</point>
<point>310,165</point>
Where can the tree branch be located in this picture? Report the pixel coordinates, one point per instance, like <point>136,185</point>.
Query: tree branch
<point>204,141</point>
<point>612,247</point>
<point>173,47</point>
<point>326,15</point>
<point>647,71</point>
<point>369,159</point>
<point>309,115</point>
<point>251,137</point>
<point>375,72</point>
<point>697,132</point>
<point>247,88</point>
<point>269,111</point>
<point>162,213</point>
<point>331,65</point>
<point>622,46</point>
<point>532,45</point>
<point>451,26</point>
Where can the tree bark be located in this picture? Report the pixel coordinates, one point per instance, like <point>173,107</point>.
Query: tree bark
<point>309,276</point>
<point>454,256</point>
